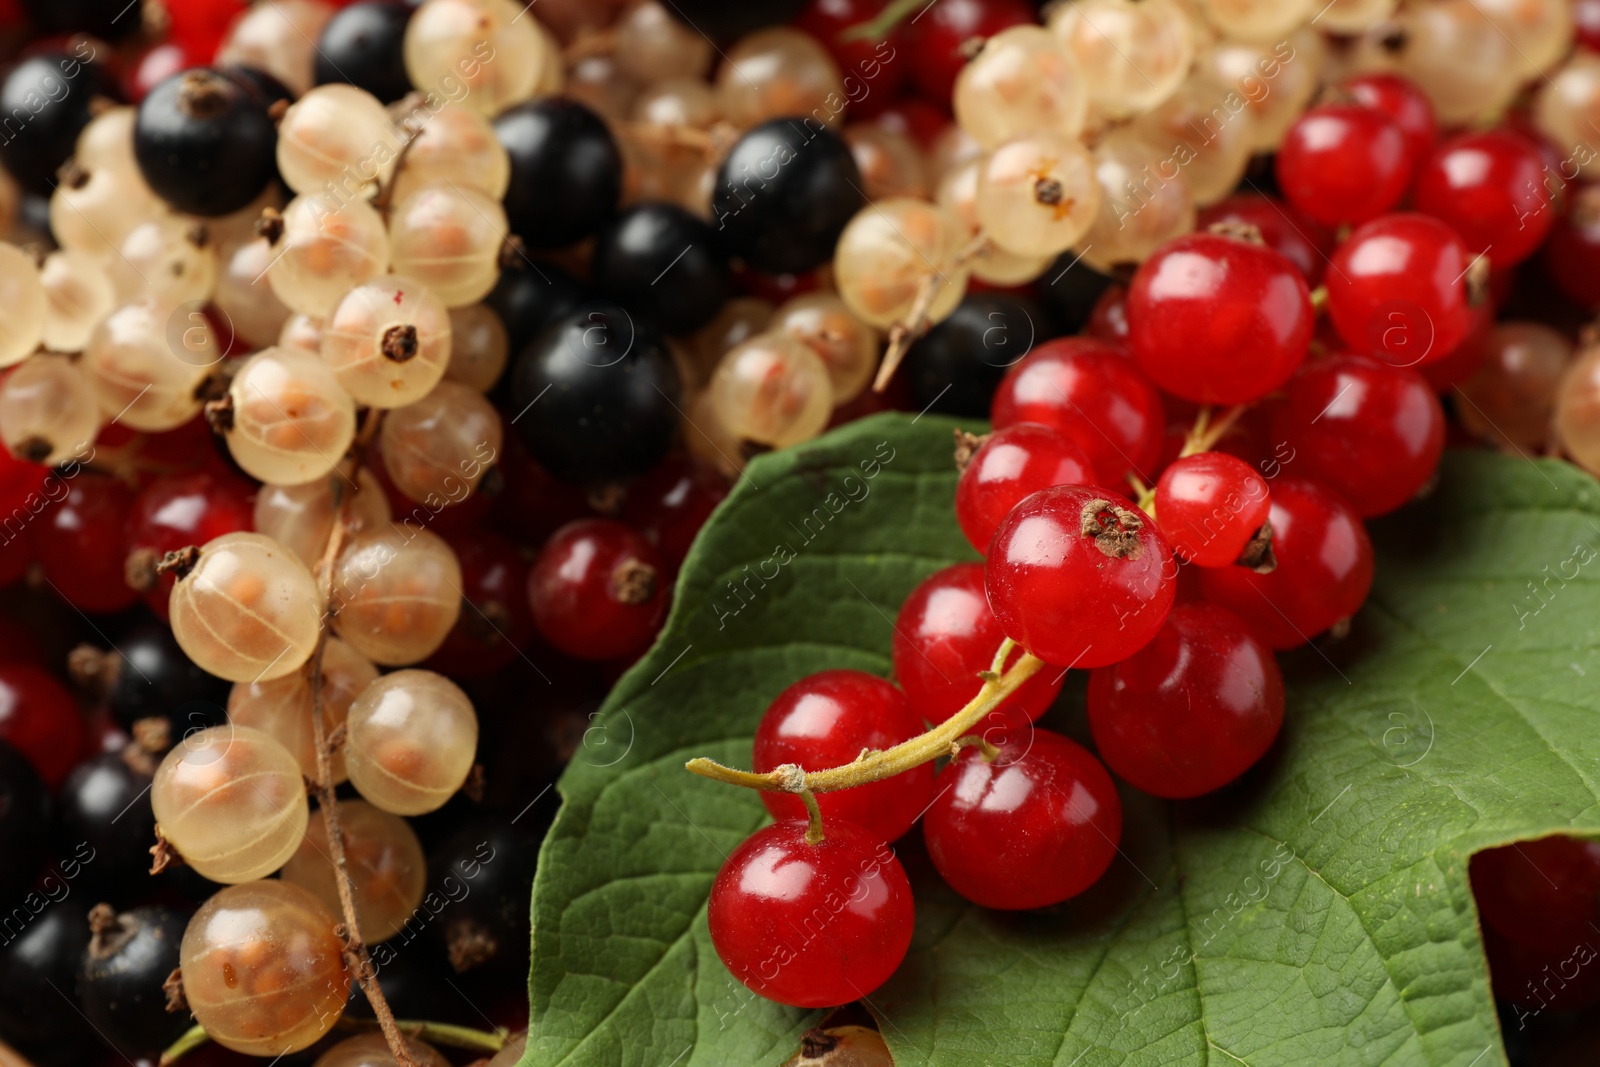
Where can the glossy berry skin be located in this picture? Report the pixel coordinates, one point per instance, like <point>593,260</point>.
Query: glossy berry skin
<point>39,716</point>
<point>1324,567</point>
<point>607,395</point>
<point>1192,710</point>
<point>885,67</point>
<point>1490,187</point>
<point>1108,319</point>
<point>495,621</point>
<point>1013,463</point>
<point>1079,576</point>
<point>191,508</point>
<point>672,502</point>
<point>1343,164</point>
<point>25,826</point>
<point>363,44</point>
<point>772,886</point>
<point>1034,827</point>
<point>825,720</point>
<point>566,171</point>
<point>1093,394</point>
<point>944,635</point>
<point>82,544</point>
<point>204,141</point>
<point>1397,288</point>
<point>1405,103</point>
<point>1305,243</point>
<point>1209,506</point>
<point>528,300</point>
<point>1544,894</point>
<point>1369,431</point>
<point>105,804</point>
<point>120,986</point>
<point>938,40</point>
<point>1219,320</point>
<point>487,929</point>
<point>784,218</point>
<point>46,96</point>
<point>955,368</point>
<point>151,676</point>
<point>47,953</point>
<point>663,264</point>
<point>1586,21</point>
<point>1572,254</point>
<point>597,590</point>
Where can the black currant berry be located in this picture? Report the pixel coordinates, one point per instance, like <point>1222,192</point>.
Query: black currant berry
<point>663,264</point>
<point>105,805</point>
<point>488,928</point>
<point>783,195</point>
<point>530,296</point>
<point>44,105</point>
<point>956,366</point>
<point>566,171</point>
<point>362,45</point>
<point>411,974</point>
<point>148,676</point>
<point>109,20</point>
<point>38,977</point>
<point>205,142</point>
<point>24,822</point>
<point>1068,289</point>
<point>725,20</point>
<point>129,957</point>
<point>596,396</point>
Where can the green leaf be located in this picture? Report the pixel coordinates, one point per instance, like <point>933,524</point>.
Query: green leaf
<point>1316,912</point>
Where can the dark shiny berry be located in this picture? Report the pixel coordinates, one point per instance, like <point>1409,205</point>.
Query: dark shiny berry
<point>566,171</point>
<point>205,143</point>
<point>725,20</point>
<point>38,977</point>
<point>784,194</point>
<point>104,805</point>
<point>45,103</point>
<point>672,502</point>
<point>488,926</point>
<point>110,20</point>
<point>363,45</point>
<point>955,368</point>
<point>128,958</point>
<point>495,622</point>
<point>530,296</point>
<point>24,821</point>
<point>595,396</point>
<point>148,675</point>
<point>663,264</point>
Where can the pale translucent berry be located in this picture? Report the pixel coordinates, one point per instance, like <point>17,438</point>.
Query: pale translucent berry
<point>336,134</point>
<point>492,47</point>
<point>413,737</point>
<point>78,294</point>
<point>140,378</point>
<point>301,516</point>
<point>397,591</point>
<point>22,295</point>
<point>886,252</point>
<point>291,420</point>
<point>326,248</point>
<point>438,448</point>
<point>449,238</point>
<point>848,346</point>
<point>388,341</point>
<point>772,390</point>
<point>48,412</point>
<point>281,708</point>
<point>387,869</point>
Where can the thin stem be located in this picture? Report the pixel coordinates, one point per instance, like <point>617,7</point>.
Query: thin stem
<point>814,834</point>
<point>438,1034</point>
<point>192,1039</point>
<point>908,329</point>
<point>890,17</point>
<point>1205,434</point>
<point>1319,299</point>
<point>876,766</point>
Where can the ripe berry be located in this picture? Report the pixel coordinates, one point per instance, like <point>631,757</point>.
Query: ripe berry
<point>1079,576</point>
<point>1343,164</point>
<point>1010,464</point>
<point>128,958</point>
<point>25,826</point>
<point>1108,319</point>
<point>939,40</point>
<point>1094,395</point>
<point>1544,894</point>
<point>811,926</point>
<point>176,510</point>
<point>1398,287</point>
<point>596,590</point>
<point>783,195</point>
<point>1489,186</point>
<point>1190,711</point>
<point>105,804</point>
<point>38,971</point>
<point>1034,826</point>
<point>1323,574</point>
<point>1401,99</point>
<point>1219,320</point>
<point>1210,507</point>
<point>670,504</point>
<point>1370,431</point>
<point>147,675</point>
<point>826,720</point>
<point>47,99</point>
<point>885,66</point>
<point>944,636</point>
<point>495,621</point>
<point>82,544</point>
<point>362,44</point>
<point>1303,242</point>
<point>566,171</point>
<point>204,141</point>
<point>528,300</point>
<point>663,264</point>
<point>958,364</point>
<point>489,928</point>
<point>39,717</point>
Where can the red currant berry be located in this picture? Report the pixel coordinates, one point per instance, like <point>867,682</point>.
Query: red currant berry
<point>944,636</point>
<point>1370,431</point>
<point>495,621</point>
<point>1012,463</point>
<point>826,720</point>
<point>1324,567</point>
<point>914,117</point>
<point>828,21</point>
<point>1219,320</point>
<point>20,480</point>
<point>1033,826</point>
<point>1079,576</point>
<point>1286,231</point>
<point>1192,710</point>
<point>1405,103</point>
<point>533,504</point>
<point>1209,506</point>
<point>82,543</point>
<point>1572,254</point>
<point>672,502</point>
<point>1344,164</point>
<point>1398,288</point>
<point>1586,19</point>
<point>39,717</point>
<point>1541,978</point>
<point>597,590</point>
<point>939,40</point>
<point>1489,187</point>
<point>1108,319</point>
<point>176,510</point>
<point>1544,894</point>
<point>811,926</point>
<point>1094,395</point>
